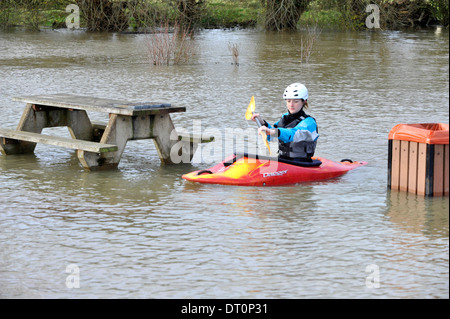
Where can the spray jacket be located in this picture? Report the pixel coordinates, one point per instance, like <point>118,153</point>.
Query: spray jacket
<point>297,135</point>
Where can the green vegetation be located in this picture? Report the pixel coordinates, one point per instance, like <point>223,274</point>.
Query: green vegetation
<point>32,13</point>
<point>231,14</point>
<point>440,11</point>
<point>120,15</point>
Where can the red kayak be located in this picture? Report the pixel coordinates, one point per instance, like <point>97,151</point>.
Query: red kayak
<point>257,170</point>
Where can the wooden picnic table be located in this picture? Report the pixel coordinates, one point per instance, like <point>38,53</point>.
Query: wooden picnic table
<point>99,146</point>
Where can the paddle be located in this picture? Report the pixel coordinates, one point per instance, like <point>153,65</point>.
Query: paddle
<point>248,115</point>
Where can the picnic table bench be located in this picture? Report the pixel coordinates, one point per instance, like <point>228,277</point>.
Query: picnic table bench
<point>99,145</point>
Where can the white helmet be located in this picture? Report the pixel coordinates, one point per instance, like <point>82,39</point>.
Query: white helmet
<point>296,91</point>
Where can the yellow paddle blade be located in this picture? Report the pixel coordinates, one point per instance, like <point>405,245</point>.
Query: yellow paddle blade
<point>248,115</point>
<point>250,109</point>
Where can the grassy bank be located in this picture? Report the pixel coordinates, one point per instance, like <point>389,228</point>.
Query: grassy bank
<point>214,14</point>
<point>231,13</point>
<point>37,14</point>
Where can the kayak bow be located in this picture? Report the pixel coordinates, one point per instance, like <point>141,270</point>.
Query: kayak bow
<point>256,170</point>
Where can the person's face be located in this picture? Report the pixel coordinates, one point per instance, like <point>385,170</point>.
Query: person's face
<point>294,105</point>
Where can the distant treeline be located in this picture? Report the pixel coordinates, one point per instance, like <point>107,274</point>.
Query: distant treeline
<point>396,14</point>
<point>119,15</point>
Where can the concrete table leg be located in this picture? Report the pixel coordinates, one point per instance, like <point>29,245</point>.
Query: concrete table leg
<point>118,131</point>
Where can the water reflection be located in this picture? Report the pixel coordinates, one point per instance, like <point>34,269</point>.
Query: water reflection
<point>418,214</point>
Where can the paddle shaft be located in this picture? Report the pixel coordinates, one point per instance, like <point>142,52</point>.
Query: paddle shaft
<point>257,121</point>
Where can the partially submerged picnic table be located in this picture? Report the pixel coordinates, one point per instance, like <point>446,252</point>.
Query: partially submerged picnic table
<point>99,146</point>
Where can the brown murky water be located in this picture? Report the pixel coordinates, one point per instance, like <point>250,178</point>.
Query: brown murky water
<point>141,231</point>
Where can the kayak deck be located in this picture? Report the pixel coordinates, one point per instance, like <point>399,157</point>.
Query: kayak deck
<point>256,170</point>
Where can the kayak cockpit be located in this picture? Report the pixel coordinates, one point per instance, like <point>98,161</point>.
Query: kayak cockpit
<point>237,156</point>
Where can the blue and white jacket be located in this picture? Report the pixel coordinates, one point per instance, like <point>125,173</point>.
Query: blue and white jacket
<point>297,135</point>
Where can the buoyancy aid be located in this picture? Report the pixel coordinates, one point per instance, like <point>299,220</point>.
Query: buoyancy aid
<point>303,144</point>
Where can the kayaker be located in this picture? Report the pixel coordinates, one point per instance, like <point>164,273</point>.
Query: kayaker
<point>296,131</point>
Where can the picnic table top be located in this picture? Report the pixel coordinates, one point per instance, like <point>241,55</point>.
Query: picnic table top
<point>103,105</point>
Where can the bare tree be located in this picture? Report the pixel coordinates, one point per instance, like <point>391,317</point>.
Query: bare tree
<point>284,14</point>
<point>104,15</point>
<point>190,11</point>
<point>392,14</point>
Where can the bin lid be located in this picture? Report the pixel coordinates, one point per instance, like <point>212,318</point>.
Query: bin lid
<point>429,133</point>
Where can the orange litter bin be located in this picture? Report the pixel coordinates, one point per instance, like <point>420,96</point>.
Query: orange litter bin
<point>418,158</point>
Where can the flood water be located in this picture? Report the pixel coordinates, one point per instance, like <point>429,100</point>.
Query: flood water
<point>141,231</point>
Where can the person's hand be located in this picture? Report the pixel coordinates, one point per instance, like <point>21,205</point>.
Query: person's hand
<point>267,131</point>
<point>254,116</point>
